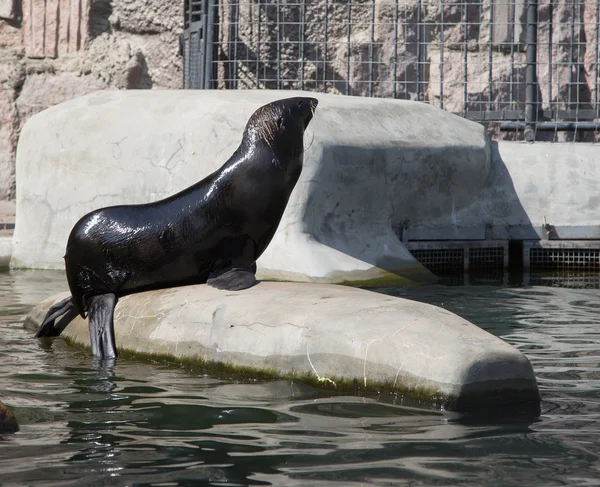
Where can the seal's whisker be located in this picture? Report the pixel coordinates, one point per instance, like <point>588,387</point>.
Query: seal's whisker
<point>312,138</point>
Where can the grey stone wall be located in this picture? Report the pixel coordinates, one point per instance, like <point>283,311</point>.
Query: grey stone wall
<point>55,50</point>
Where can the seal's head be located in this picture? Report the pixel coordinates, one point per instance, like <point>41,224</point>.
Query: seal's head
<point>280,126</point>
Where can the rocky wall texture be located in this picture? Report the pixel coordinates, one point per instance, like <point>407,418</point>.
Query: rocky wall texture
<point>54,50</point>
<point>460,55</point>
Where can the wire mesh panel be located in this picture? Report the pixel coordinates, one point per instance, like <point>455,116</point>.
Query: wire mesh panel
<point>441,261</point>
<point>561,258</point>
<point>198,43</point>
<point>485,258</point>
<point>511,62</point>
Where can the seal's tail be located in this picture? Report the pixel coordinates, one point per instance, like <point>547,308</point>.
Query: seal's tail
<point>50,327</point>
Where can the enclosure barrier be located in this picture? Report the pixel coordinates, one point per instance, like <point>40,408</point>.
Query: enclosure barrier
<point>526,68</point>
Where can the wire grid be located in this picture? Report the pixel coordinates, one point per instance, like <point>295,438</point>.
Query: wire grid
<point>467,57</point>
<point>561,258</point>
<point>441,261</point>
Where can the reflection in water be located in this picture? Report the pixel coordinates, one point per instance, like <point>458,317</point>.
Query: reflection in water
<point>126,423</point>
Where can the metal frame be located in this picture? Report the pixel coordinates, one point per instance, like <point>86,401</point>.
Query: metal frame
<point>198,43</point>
<point>370,48</point>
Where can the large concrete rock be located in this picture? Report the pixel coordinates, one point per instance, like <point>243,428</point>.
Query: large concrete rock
<point>5,250</point>
<point>534,191</point>
<point>331,335</point>
<point>370,166</point>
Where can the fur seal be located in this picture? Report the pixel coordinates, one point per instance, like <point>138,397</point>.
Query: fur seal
<point>213,231</point>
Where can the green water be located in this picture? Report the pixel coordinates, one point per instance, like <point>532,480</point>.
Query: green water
<point>152,424</point>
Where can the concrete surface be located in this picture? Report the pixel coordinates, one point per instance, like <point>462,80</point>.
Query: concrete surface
<point>529,186</point>
<point>5,249</point>
<point>327,335</point>
<point>371,165</point>
<point>7,220</point>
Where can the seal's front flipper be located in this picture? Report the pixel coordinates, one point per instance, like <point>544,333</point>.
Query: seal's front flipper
<point>102,330</point>
<point>233,278</point>
<point>49,327</point>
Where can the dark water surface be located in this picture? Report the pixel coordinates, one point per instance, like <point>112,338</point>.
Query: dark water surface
<point>153,424</point>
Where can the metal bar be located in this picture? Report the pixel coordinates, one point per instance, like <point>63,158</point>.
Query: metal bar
<point>499,115</point>
<point>325,46</point>
<point>579,59</point>
<point>203,43</point>
<point>512,54</point>
<point>493,115</point>
<point>406,78</point>
<point>571,55</point>
<point>419,50</point>
<point>530,72</point>
<point>395,88</point>
<point>442,54</point>
<point>235,46</point>
<point>584,114</point>
<point>186,74</point>
<point>302,41</point>
<point>278,46</point>
<point>349,6</point>
<point>597,57</point>
<point>553,126</point>
<point>371,48</point>
<point>491,55</point>
<point>209,44</point>
<point>550,44</point>
<point>465,55</point>
<point>257,43</point>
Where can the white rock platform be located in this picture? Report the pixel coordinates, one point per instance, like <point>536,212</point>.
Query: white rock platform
<point>370,167</point>
<point>332,336</point>
<point>5,250</point>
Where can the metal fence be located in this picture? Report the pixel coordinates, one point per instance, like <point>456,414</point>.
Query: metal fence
<point>526,68</point>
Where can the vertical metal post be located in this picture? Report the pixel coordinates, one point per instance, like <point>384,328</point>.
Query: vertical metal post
<point>278,46</point>
<point>257,43</point>
<point>441,54</point>
<point>349,7</point>
<point>597,57</point>
<point>371,49</point>
<point>531,109</point>
<point>550,44</point>
<point>419,21</point>
<point>571,56</point>
<point>187,71</point>
<point>302,41</point>
<point>491,56</point>
<point>511,84</point>
<point>209,43</point>
<point>235,46</point>
<point>325,46</point>
<point>465,19</point>
<point>395,90</point>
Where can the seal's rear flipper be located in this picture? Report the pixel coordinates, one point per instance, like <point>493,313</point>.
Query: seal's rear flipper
<point>102,330</point>
<point>233,279</point>
<point>49,327</point>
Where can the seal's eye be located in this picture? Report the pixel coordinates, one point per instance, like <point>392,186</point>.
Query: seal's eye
<point>280,122</point>
<point>299,104</point>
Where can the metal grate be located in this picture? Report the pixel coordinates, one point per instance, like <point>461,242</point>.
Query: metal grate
<point>441,261</point>
<point>529,67</point>
<point>486,257</point>
<point>558,258</point>
<point>198,42</point>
